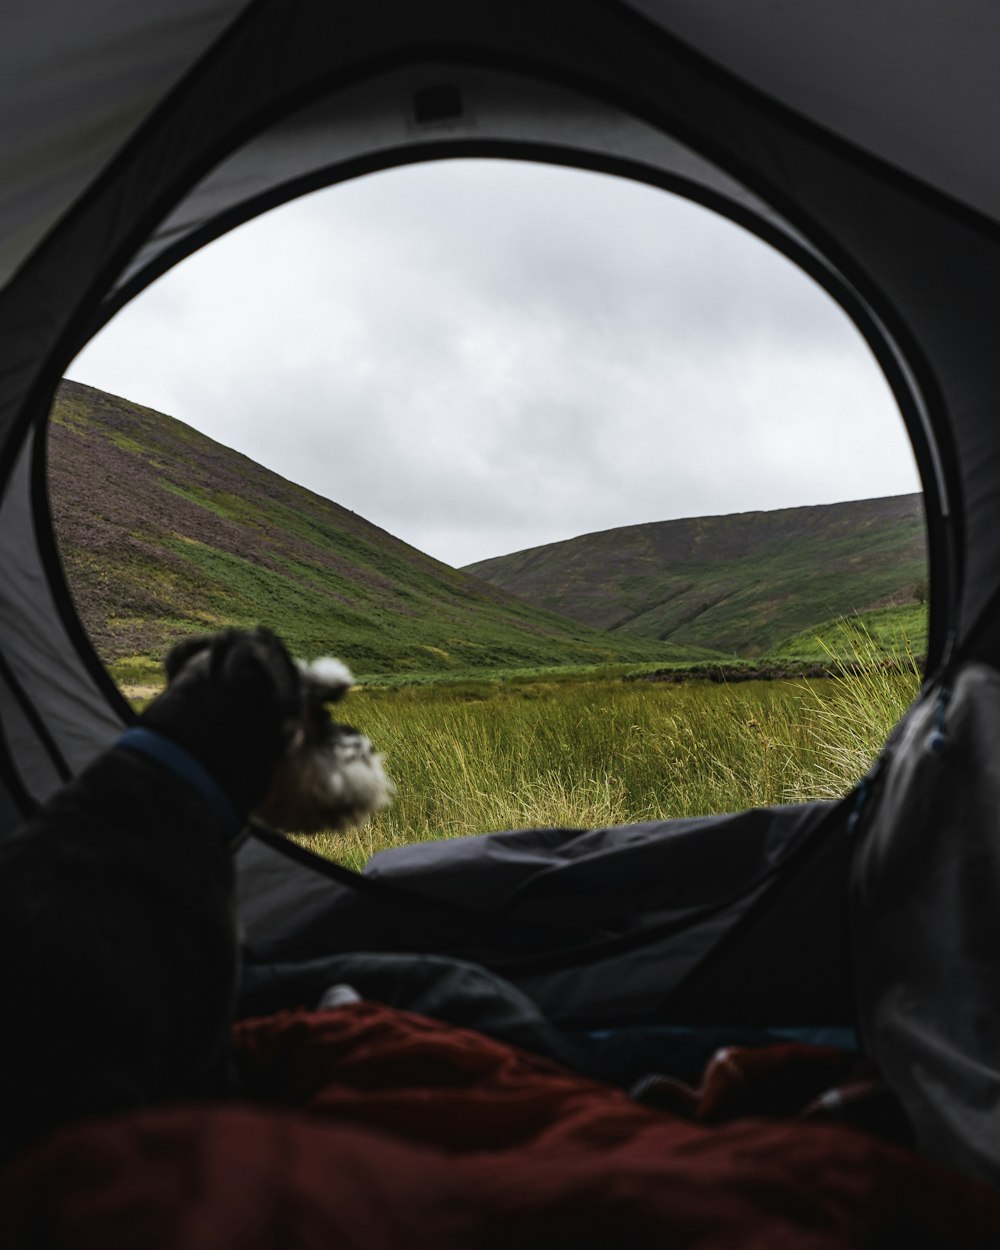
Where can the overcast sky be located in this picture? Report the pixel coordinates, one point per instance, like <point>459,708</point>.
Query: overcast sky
<point>482,356</point>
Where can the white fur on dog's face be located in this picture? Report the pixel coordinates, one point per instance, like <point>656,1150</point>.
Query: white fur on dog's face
<point>330,775</point>
<point>327,787</point>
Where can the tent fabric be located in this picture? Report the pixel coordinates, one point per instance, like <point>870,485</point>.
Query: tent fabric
<point>875,76</point>
<point>72,92</point>
<point>69,712</point>
<point>674,920</point>
<point>907,83</point>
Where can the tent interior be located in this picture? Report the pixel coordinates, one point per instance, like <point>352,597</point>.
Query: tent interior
<point>145,132</point>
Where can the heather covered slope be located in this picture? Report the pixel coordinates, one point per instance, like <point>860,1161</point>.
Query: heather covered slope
<point>742,583</point>
<point>163,531</point>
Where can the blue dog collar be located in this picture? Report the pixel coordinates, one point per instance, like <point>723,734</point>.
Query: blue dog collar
<point>184,765</point>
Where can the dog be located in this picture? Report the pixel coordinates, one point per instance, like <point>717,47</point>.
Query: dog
<point>118,952</point>
<point>327,775</point>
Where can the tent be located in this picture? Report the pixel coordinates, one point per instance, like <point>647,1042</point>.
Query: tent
<point>857,139</point>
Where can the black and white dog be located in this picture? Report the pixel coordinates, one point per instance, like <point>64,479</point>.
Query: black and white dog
<point>118,955</point>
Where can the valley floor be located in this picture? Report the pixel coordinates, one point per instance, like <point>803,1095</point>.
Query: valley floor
<point>482,756</point>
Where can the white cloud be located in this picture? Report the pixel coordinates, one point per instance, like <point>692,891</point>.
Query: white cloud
<point>483,356</point>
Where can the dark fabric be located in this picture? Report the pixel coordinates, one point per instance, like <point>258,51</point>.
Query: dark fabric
<point>601,878</point>
<point>460,993</point>
<point>786,961</point>
<point>385,1129</point>
<point>598,928</point>
<point>926,921</point>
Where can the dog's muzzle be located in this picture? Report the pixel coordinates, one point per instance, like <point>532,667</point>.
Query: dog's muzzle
<point>330,776</point>
<point>325,787</point>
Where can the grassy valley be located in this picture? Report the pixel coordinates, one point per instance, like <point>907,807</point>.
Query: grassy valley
<point>592,753</point>
<point>493,713</point>
<point>163,532</point>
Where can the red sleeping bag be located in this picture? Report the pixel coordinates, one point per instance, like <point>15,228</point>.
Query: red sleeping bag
<point>370,1127</point>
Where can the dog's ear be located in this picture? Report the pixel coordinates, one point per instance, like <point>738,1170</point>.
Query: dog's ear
<point>255,668</point>
<point>325,680</point>
<point>181,654</point>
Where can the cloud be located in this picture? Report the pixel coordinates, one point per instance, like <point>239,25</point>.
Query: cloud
<point>482,356</point>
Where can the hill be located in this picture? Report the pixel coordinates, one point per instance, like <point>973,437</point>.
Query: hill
<point>899,630</point>
<point>743,583</point>
<point>163,531</point>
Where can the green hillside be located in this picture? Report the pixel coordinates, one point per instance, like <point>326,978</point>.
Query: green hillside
<point>743,583</point>
<point>896,631</point>
<point>164,532</point>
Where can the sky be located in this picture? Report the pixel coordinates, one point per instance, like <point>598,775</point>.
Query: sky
<point>484,356</point>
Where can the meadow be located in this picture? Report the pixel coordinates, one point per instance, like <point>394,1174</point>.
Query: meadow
<point>588,751</point>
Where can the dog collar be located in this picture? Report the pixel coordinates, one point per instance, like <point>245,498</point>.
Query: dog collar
<point>180,762</point>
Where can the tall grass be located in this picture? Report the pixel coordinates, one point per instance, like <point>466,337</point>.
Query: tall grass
<point>487,756</point>
<point>850,716</point>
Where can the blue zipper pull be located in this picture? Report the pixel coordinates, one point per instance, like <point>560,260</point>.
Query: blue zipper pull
<point>937,739</point>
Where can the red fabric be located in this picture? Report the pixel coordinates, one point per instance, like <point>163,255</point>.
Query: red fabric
<point>383,1129</point>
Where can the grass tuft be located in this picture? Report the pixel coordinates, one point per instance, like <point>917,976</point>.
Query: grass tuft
<point>850,720</point>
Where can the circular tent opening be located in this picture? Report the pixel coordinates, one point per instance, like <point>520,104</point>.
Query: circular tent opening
<point>481,357</point>
<point>204,163</point>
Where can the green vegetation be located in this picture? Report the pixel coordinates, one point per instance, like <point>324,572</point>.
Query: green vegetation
<point>739,584</point>
<point>898,630</point>
<point>491,755</point>
<point>164,532</point>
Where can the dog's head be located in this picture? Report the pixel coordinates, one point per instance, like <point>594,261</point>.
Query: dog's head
<point>329,775</point>
<point>260,722</point>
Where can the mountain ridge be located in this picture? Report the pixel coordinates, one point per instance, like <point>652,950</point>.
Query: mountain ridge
<point>738,582</point>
